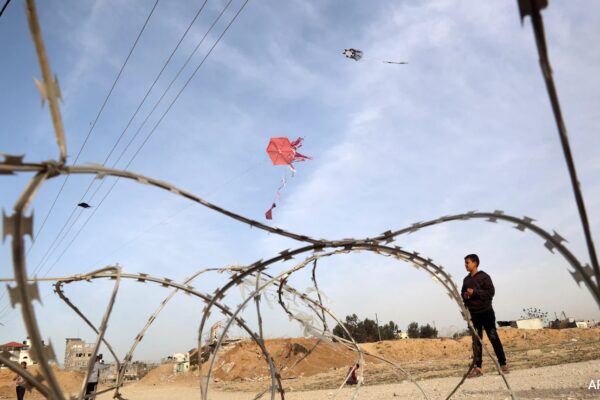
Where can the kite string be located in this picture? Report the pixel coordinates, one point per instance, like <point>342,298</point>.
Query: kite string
<point>378,61</point>
<point>282,184</point>
<point>215,191</point>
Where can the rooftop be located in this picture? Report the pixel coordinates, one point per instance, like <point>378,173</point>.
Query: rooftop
<point>12,344</point>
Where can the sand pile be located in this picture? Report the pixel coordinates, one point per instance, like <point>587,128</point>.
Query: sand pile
<point>245,360</point>
<point>524,338</point>
<point>159,375</point>
<point>164,375</point>
<point>419,349</point>
<point>70,381</point>
<point>412,350</point>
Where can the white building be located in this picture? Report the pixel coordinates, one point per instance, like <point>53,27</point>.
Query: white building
<point>401,335</point>
<point>19,352</point>
<point>181,362</point>
<point>532,323</point>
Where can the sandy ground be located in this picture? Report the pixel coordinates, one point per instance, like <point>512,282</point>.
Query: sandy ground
<point>566,381</point>
<point>553,364</point>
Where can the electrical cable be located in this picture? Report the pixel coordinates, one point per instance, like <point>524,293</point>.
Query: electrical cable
<point>171,217</point>
<point>189,80</point>
<point>171,84</point>
<point>154,128</point>
<point>58,241</point>
<point>11,314</point>
<point>94,123</point>
<point>4,7</point>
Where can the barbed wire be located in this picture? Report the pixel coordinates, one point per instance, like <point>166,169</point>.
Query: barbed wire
<point>255,276</point>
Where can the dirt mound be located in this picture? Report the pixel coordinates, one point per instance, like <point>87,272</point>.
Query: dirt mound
<point>525,338</point>
<point>164,375</point>
<point>70,381</point>
<point>325,365</point>
<point>244,361</point>
<point>412,350</point>
<point>295,357</point>
<point>159,375</point>
<point>419,349</point>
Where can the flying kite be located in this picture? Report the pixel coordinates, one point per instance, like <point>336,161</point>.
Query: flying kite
<point>358,54</point>
<point>84,205</point>
<point>283,152</point>
<point>353,54</point>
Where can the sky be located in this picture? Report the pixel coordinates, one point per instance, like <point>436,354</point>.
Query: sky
<point>465,125</point>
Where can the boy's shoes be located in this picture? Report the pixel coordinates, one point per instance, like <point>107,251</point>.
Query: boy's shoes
<point>475,373</point>
<point>505,369</point>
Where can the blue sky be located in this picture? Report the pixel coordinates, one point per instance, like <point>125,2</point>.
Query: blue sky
<point>466,125</point>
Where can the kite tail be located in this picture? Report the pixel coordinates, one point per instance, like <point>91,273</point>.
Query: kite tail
<point>297,143</point>
<point>301,157</point>
<point>269,213</point>
<point>281,187</point>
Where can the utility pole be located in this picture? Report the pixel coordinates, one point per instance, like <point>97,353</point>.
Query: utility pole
<point>377,322</point>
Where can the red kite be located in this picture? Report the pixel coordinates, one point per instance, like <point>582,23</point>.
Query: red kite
<point>283,152</point>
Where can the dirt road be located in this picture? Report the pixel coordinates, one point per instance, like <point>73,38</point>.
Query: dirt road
<point>566,381</point>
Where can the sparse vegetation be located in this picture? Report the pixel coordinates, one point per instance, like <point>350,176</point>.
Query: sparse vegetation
<point>365,331</point>
<point>415,331</point>
<point>458,335</point>
<point>531,312</point>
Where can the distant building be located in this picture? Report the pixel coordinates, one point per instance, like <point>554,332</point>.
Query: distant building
<point>133,372</point>
<point>19,352</point>
<point>590,323</point>
<point>181,362</point>
<point>531,323</point>
<point>401,335</point>
<point>77,354</point>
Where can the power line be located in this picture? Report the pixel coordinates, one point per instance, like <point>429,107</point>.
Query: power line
<point>155,81</point>
<point>57,242</point>
<point>171,84</point>
<point>157,123</point>
<point>191,77</point>
<point>95,121</point>
<point>12,314</point>
<point>52,245</point>
<point>46,254</point>
<point>6,310</point>
<point>51,249</point>
<point>175,214</point>
<point>4,7</point>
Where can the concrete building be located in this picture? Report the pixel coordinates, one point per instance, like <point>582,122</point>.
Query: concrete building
<point>133,372</point>
<point>77,354</point>
<point>531,323</point>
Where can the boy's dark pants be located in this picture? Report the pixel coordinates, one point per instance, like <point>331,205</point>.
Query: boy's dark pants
<point>20,392</point>
<point>486,320</point>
